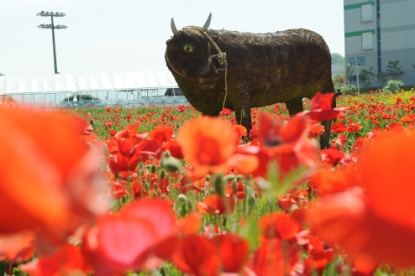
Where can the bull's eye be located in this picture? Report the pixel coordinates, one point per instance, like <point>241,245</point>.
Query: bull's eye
<point>188,48</point>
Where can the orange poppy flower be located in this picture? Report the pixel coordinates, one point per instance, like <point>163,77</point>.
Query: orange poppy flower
<point>216,204</point>
<point>240,130</point>
<point>46,171</point>
<point>207,143</point>
<point>314,131</point>
<point>374,220</point>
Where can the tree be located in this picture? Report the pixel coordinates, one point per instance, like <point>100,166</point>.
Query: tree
<point>2,74</point>
<point>339,81</point>
<point>349,72</point>
<point>367,76</point>
<point>337,58</point>
<point>382,79</point>
<point>394,69</point>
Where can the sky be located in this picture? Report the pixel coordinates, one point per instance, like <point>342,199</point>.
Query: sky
<point>130,35</point>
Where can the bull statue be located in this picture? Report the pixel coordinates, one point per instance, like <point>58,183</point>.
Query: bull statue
<point>250,70</point>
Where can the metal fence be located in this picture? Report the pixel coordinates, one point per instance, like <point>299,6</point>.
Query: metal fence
<point>82,99</point>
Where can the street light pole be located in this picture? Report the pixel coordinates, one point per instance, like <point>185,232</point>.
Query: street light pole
<point>53,27</point>
<point>54,48</point>
<point>357,76</point>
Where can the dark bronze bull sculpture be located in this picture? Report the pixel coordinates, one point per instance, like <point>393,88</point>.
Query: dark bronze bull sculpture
<point>261,69</point>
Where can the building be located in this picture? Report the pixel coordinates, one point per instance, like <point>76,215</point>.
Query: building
<point>376,32</point>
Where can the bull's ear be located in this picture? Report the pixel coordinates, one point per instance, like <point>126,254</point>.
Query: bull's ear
<point>207,23</point>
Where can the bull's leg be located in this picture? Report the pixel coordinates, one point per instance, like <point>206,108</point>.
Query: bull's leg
<point>243,112</point>
<point>325,138</point>
<point>294,106</point>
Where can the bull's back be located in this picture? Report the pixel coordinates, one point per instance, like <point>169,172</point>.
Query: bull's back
<point>278,67</point>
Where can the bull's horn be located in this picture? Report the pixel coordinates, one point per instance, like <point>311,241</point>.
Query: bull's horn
<point>206,26</point>
<point>173,27</point>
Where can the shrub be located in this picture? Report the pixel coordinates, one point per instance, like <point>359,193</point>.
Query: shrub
<point>393,86</point>
<point>349,89</point>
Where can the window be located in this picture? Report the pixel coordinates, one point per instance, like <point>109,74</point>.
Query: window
<point>352,79</point>
<point>366,13</point>
<point>360,60</point>
<point>367,41</point>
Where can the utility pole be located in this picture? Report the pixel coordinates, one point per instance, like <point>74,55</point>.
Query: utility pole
<point>53,27</point>
<point>357,76</point>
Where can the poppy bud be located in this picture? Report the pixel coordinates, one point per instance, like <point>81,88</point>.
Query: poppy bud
<point>171,164</point>
<point>162,174</point>
<point>153,169</point>
<point>229,177</point>
<point>207,178</point>
<point>219,184</point>
<point>166,154</point>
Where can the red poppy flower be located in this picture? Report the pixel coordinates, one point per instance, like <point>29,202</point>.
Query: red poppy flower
<point>278,225</point>
<point>332,157</point>
<point>338,127</point>
<point>233,252</point>
<point>126,240</point>
<point>321,108</point>
<point>161,134</point>
<point>275,257</point>
<point>68,259</point>
<point>196,255</point>
<point>225,112</point>
<point>18,247</point>
<point>284,144</point>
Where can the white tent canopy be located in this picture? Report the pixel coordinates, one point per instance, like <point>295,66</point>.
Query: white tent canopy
<point>86,82</point>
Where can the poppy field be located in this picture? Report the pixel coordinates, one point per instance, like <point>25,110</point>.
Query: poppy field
<point>166,191</point>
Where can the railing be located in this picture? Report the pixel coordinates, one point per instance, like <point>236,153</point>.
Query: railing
<point>79,99</point>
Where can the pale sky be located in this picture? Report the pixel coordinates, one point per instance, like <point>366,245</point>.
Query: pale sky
<point>130,35</point>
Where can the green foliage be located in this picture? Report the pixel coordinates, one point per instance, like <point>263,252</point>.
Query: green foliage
<point>394,69</point>
<point>81,97</point>
<point>368,75</point>
<point>339,81</point>
<point>382,79</point>
<point>349,72</point>
<point>337,58</point>
<point>349,89</point>
<point>393,86</point>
